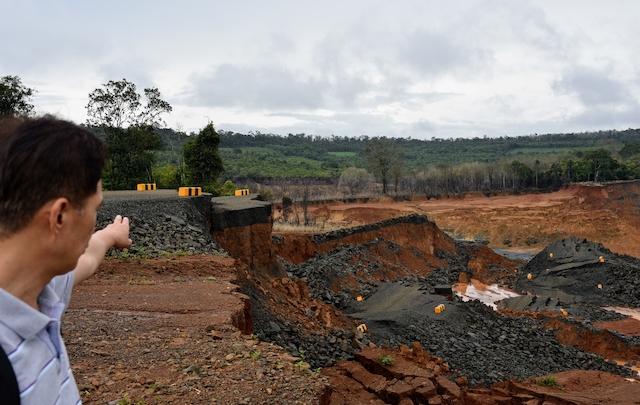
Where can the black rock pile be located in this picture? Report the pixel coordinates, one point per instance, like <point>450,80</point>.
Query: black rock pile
<point>160,226</point>
<point>363,264</point>
<point>319,349</point>
<point>579,271</point>
<point>325,271</point>
<point>473,339</point>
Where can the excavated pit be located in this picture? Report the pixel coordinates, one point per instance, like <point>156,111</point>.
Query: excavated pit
<point>309,292</point>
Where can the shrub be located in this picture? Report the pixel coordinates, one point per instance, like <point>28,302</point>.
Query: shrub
<point>386,360</point>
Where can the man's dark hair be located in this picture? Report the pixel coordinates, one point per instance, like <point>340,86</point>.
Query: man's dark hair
<point>42,159</point>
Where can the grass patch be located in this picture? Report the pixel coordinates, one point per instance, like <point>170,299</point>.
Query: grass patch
<point>386,360</point>
<point>548,381</point>
<point>255,354</point>
<point>127,401</point>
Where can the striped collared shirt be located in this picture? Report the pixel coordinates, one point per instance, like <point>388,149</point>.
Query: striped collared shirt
<point>32,341</point>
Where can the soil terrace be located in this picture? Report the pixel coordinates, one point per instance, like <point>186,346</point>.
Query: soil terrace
<point>605,213</point>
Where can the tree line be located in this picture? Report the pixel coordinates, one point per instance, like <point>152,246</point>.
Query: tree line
<point>140,149</point>
<point>385,165</point>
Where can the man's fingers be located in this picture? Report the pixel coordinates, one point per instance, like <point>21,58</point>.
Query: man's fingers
<point>118,219</point>
<point>125,220</point>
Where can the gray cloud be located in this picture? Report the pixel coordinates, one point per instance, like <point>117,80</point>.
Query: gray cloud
<point>594,87</point>
<point>136,71</point>
<point>412,68</point>
<point>603,117</point>
<point>437,52</point>
<point>254,87</point>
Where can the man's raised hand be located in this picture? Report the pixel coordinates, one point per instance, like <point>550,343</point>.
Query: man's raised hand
<point>118,230</point>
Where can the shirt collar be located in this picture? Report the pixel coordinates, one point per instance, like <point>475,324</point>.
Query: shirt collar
<point>22,318</point>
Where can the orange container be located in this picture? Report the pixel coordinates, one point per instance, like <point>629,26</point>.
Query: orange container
<point>189,191</point>
<point>146,187</point>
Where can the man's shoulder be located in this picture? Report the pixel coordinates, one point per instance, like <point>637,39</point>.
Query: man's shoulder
<point>56,295</point>
<point>62,284</point>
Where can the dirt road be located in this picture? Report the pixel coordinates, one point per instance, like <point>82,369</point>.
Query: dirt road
<point>161,331</point>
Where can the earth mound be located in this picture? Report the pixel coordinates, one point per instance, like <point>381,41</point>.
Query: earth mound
<point>575,270</point>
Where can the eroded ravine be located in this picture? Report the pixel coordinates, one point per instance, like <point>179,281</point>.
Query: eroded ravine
<point>305,291</point>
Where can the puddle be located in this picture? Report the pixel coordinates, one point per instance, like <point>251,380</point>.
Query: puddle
<point>635,368</point>
<point>517,254</point>
<point>632,312</point>
<point>487,294</point>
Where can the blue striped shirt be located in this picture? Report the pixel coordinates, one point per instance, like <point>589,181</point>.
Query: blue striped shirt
<point>32,341</point>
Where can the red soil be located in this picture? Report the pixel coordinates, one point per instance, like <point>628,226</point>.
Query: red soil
<point>608,214</point>
<point>425,238</point>
<point>629,326</point>
<point>417,254</point>
<point>412,375</point>
<point>601,342</point>
<point>162,331</point>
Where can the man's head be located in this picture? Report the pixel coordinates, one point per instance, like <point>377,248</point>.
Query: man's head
<point>50,183</point>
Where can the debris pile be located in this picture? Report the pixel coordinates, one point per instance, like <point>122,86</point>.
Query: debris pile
<point>409,375</point>
<point>474,340</point>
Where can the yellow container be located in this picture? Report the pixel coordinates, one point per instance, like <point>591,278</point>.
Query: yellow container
<point>189,191</point>
<point>439,309</point>
<point>241,191</point>
<point>146,187</point>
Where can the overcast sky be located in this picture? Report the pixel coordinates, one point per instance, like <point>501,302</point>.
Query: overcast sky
<point>392,68</point>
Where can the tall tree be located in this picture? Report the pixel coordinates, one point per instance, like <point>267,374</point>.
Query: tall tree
<point>382,156</point>
<point>129,126</point>
<point>15,97</point>
<point>201,156</point>
<point>130,156</point>
<point>600,164</point>
<point>117,104</point>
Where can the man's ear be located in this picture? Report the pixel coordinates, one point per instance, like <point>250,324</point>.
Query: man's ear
<point>58,214</point>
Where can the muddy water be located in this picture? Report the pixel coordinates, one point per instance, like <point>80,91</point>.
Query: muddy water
<point>487,294</point>
<point>514,254</point>
<point>632,312</point>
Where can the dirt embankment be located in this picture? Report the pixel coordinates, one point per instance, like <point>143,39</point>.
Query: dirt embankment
<point>605,213</point>
<point>414,246</point>
<point>282,310</point>
<point>603,342</point>
<point>413,231</point>
<point>407,376</point>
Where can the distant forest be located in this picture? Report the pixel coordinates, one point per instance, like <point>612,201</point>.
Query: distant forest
<point>436,166</point>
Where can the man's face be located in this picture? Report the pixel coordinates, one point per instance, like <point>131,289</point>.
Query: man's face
<point>80,225</point>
